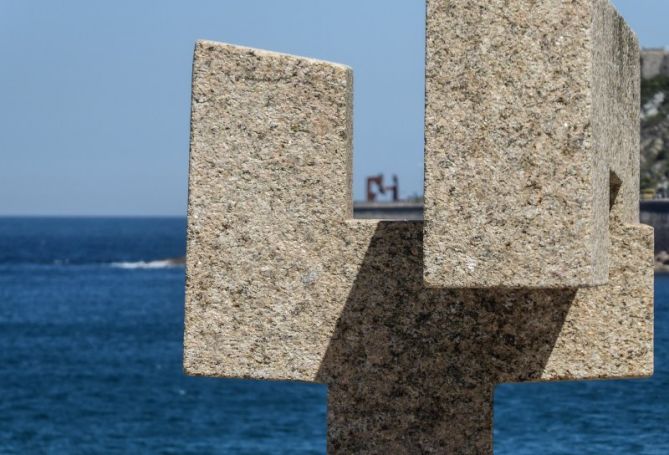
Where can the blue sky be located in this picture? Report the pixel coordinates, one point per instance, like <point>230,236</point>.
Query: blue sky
<point>94,96</point>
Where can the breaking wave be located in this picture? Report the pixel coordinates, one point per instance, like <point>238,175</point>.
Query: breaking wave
<point>160,264</point>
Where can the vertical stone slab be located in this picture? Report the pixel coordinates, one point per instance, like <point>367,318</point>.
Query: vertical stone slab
<point>616,81</point>
<point>527,115</point>
<point>268,269</point>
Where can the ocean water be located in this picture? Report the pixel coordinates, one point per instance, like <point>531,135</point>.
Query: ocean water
<point>91,323</point>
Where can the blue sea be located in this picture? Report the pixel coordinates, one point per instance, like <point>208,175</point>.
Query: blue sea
<point>91,327</point>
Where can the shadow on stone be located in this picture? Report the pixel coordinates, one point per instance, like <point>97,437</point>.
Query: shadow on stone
<point>412,369</point>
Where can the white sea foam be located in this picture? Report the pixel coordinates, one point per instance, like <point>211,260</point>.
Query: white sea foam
<point>164,263</point>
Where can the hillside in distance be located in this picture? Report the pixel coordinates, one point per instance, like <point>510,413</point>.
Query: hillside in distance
<point>655,135</point>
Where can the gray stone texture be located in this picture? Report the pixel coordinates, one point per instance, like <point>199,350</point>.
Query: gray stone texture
<point>530,106</point>
<point>283,285</point>
<point>268,263</point>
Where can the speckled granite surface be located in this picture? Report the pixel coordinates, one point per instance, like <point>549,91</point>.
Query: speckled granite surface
<point>412,369</point>
<point>283,285</point>
<point>529,106</point>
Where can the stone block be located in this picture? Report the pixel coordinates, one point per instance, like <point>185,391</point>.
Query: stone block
<point>271,257</point>
<point>531,123</point>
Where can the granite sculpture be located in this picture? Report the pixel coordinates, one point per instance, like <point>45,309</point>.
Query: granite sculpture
<point>410,337</point>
